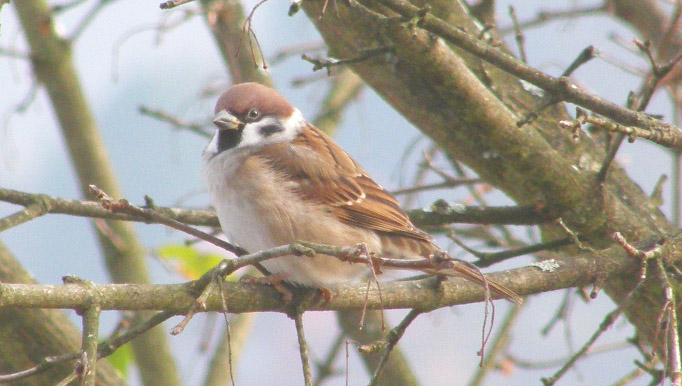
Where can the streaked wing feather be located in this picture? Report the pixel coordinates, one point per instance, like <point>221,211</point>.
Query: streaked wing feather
<point>326,174</point>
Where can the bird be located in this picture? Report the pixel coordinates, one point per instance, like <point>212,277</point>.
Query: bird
<point>275,179</point>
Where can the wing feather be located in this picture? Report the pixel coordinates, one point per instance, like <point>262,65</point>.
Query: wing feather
<point>326,174</point>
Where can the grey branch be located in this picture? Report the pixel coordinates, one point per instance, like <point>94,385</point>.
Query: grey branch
<point>578,270</point>
<point>420,217</point>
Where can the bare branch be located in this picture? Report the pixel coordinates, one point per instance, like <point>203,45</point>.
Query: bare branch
<point>173,3</point>
<point>549,99</point>
<point>391,340</point>
<point>31,211</point>
<point>324,368</point>
<point>362,56</point>
<point>605,324</point>
<point>443,213</point>
<point>345,88</point>
<point>90,341</point>
<point>94,209</point>
<point>578,270</point>
<point>87,19</point>
<point>439,185</point>
<point>488,259</point>
<point>544,17</point>
<point>163,116</point>
<point>660,135</point>
<point>498,346</point>
<point>563,88</point>
<point>154,216</point>
<point>520,39</point>
<point>104,349</point>
<point>302,347</point>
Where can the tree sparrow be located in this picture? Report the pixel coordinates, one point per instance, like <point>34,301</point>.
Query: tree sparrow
<point>275,179</point>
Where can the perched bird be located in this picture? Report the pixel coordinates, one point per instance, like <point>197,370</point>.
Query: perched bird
<point>275,179</point>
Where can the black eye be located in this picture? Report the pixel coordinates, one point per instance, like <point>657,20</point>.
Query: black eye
<point>253,114</point>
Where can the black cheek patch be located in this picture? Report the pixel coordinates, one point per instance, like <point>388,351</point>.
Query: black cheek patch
<point>269,130</point>
<point>227,139</point>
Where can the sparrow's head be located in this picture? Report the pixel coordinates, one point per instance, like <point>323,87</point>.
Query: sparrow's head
<point>253,115</point>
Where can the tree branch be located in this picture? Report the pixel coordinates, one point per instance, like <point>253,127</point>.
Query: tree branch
<point>561,88</point>
<point>443,214</point>
<point>53,66</point>
<point>574,271</point>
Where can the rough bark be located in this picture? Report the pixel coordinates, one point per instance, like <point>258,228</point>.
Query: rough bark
<point>28,336</point>
<point>470,108</point>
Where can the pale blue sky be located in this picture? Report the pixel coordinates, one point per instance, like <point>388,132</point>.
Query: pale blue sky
<point>151,159</point>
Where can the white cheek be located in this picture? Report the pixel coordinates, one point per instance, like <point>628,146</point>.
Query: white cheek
<point>292,126</point>
<point>251,134</point>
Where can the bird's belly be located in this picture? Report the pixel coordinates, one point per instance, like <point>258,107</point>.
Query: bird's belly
<point>256,228</point>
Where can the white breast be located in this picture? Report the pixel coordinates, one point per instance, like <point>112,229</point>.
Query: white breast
<point>258,210</point>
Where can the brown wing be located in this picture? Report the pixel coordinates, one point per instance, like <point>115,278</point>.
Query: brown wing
<point>327,174</point>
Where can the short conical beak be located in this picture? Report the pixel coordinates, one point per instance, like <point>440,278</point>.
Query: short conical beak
<point>225,120</point>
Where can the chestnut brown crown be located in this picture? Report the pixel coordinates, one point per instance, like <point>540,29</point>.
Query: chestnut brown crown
<point>241,98</point>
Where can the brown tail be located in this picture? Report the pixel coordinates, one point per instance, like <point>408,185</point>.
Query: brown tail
<point>459,268</point>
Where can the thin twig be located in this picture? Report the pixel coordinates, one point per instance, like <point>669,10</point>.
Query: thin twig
<point>551,99</point>
<point>672,361</point>
<point>125,206</point>
<point>104,349</point>
<point>632,375</point>
<point>663,137</point>
<point>199,304</point>
<point>107,347</point>
<point>610,156</point>
<point>554,363</point>
<point>605,324</point>
<point>561,87</point>
<point>247,30</point>
<point>442,213</point>
<point>163,116</point>
<point>297,49</point>
<point>644,256</point>
<point>302,347</point>
<point>497,346</point>
<point>12,53</point>
<point>445,214</point>
<point>325,368</point>
<point>544,17</point>
<point>30,212</point>
<point>94,209</point>
<point>391,340</point>
<point>439,185</point>
<point>486,259</point>
<point>87,19</point>
<point>89,344</point>
<point>574,236</point>
<point>518,34</point>
<point>173,3</point>
<point>228,335</point>
<point>362,56</point>
<point>166,24</point>
<point>59,8</point>
<point>658,72</point>
<point>23,104</point>
<point>560,314</point>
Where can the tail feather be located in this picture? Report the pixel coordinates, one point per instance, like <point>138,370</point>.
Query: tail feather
<point>459,268</point>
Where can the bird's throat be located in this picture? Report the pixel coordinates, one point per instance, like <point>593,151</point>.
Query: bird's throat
<point>227,139</point>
